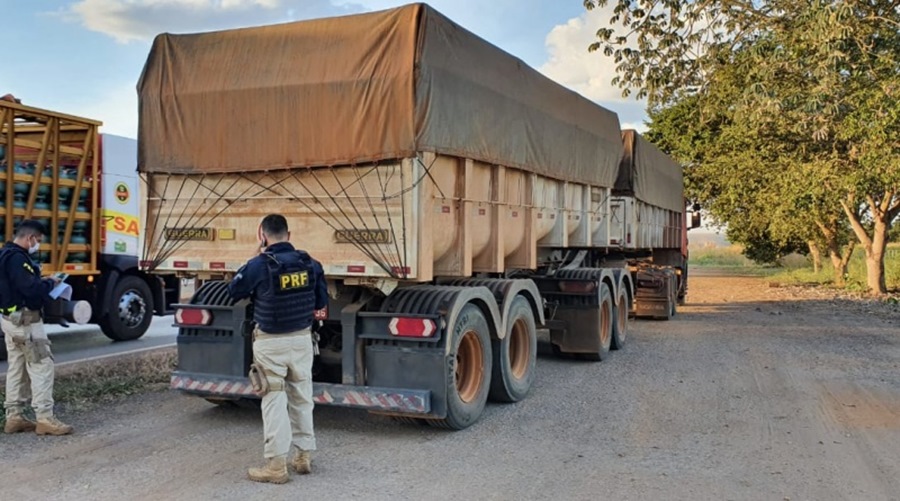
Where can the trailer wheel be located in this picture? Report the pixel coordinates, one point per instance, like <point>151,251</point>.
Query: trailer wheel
<point>131,311</point>
<point>470,369</point>
<point>620,326</point>
<point>515,355</point>
<point>604,329</point>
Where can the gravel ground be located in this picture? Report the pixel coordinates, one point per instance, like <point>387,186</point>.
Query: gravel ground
<point>751,392</point>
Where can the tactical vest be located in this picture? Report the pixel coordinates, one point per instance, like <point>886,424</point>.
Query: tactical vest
<point>289,301</point>
<point>8,296</point>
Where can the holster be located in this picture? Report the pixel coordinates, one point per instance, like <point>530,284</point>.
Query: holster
<point>24,317</point>
<point>258,380</point>
<point>263,382</point>
<point>36,350</point>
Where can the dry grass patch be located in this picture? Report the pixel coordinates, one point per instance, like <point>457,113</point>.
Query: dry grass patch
<point>84,386</point>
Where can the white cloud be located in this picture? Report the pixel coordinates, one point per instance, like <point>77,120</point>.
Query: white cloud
<point>570,63</point>
<point>141,20</point>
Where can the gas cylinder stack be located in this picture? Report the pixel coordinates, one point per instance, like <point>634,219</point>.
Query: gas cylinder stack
<point>47,166</point>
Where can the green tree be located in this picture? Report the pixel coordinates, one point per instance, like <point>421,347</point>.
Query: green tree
<point>822,82</point>
<point>758,181</point>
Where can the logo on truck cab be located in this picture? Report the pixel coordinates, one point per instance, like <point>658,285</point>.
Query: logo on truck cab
<point>122,193</point>
<point>117,222</point>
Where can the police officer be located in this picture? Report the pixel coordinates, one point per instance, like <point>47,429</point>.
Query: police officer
<point>23,294</point>
<point>287,287</point>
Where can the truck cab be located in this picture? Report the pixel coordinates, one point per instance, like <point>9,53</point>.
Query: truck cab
<point>83,187</point>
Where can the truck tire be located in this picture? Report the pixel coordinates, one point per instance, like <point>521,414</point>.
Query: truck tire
<point>130,313</point>
<point>604,329</point>
<point>620,325</point>
<point>470,369</point>
<point>515,355</point>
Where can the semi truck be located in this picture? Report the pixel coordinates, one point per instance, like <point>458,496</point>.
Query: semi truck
<point>649,226</point>
<point>82,185</point>
<point>459,201</point>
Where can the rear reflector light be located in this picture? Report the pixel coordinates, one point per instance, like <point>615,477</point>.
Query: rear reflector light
<point>192,316</point>
<point>577,286</point>
<point>356,268</point>
<point>180,264</point>
<point>412,327</point>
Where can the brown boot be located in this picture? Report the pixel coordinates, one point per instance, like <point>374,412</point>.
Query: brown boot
<point>275,471</point>
<point>18,423</point>
<point>301,462</point>
<point>52,426</point>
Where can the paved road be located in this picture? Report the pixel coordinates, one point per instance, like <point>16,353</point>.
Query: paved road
<point>82,342</point>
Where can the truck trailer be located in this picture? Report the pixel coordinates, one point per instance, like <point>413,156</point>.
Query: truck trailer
<point>458,200</point>
<point>649,226</point>
<point>82,185</point>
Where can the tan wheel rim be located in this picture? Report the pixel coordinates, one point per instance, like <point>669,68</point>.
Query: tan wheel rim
<point>469,367</point>
<point>605,319</point>
<point>519,349</point>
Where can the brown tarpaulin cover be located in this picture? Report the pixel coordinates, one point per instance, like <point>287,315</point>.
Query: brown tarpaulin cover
<point>357,89</point>
<point>649,175</point>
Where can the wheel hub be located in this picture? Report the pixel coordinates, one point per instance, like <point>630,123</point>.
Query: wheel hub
<point>132,309</point>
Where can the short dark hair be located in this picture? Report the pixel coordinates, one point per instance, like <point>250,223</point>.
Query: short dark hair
<point>274,225</point>
<point>30,227</point>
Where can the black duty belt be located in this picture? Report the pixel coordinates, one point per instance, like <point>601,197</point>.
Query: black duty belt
<point>9,311</point>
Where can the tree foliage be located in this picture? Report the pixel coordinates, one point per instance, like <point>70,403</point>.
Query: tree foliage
<point>786,111</point>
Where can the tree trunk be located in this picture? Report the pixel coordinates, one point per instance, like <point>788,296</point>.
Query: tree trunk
<point>882,216</point>
<point>838,262</point>
<point>816,254</point>
<point>875,259</point>
<point>838,259</point>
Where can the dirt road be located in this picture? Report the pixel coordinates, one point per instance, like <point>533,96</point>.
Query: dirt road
<point>750,393</point>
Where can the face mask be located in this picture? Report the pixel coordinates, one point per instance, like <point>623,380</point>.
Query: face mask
<point>34,248</point>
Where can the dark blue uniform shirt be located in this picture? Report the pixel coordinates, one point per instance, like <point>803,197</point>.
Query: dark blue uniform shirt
<point>20,280</point>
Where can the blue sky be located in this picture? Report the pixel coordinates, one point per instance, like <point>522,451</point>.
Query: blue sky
<point>84,57</point>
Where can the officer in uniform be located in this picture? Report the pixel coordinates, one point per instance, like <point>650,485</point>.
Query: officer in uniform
<point>287,287</point>
<point>23,294</point>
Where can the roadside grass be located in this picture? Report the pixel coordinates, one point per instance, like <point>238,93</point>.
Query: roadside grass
<point>84,387</point>
<point>796,269</point>
<point>726,259</point>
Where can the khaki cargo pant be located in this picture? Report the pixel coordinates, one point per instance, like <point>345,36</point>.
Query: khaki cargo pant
<point>24,366</point>
<point>287,409</point>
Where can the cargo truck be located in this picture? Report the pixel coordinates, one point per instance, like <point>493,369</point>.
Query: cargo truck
<point>459,201</point>
<point>649,226</point>
<point>82,185</point>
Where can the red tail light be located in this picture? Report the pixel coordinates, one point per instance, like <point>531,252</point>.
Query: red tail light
<point>412,327</point>
<point>192,316</point>
<point>321,314</point>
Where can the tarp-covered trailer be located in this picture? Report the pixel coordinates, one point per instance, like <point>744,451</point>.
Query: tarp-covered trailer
<point>650,227</point>
<point>457,198</point>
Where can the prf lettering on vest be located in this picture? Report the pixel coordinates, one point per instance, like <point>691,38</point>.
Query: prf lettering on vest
<point>296,280</point>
